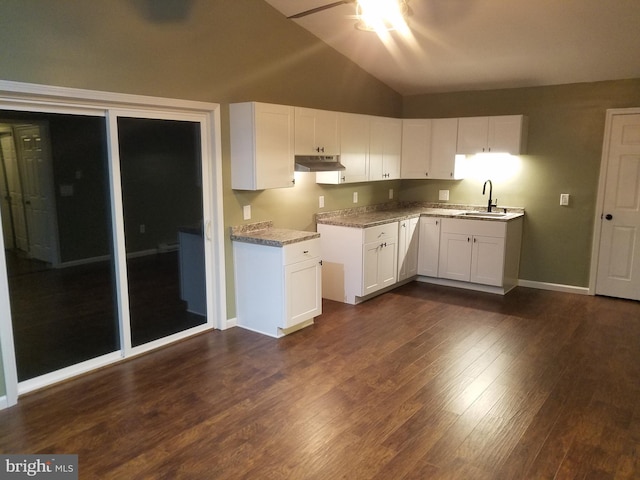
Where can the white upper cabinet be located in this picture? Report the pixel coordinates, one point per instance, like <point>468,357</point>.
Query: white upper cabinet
<point>499,134</point>
<point>316,132</point>
<point>354,151</point>
<point>444,135</point>
<point>262,146</point>
<point>429,148</point>
<point>385,148</point>
<point>416,148</point>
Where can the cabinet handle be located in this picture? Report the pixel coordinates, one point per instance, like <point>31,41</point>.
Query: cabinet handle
<point>474,240</point>
<point>436,222</point>
<point>320,262</point>
<point>468,239</point>
<point>343,178</point>
<point>426,174</point>
<point>305,251</point>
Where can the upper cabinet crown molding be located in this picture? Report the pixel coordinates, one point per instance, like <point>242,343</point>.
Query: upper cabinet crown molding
<point>262,146</point>
<point>497,134</point>
<point>316,132</point>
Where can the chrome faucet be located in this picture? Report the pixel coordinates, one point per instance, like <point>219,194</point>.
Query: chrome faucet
<point>490,203</point>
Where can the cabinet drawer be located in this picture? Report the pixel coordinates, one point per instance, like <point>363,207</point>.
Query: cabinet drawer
<point>297,252</point>
<point>380,232</point>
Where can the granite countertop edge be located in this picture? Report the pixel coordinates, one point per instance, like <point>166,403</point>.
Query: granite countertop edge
<point>263,233</point>
<point>371,216</point>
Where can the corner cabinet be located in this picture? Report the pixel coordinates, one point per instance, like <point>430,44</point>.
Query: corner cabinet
<point>278,289</point>
<point>499,134</point>
<point>408,239</point>
<point>429,246</point>
<point>262,146</point>
<point>316,132</point>
<point>358,262</point>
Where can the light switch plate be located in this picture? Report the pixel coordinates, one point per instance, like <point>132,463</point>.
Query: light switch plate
<point>321,201</point>
<point>443,195</point>
<point>391,194</point>
<point>355,197</point>
<point>246,212</point>
<point>564,199</point>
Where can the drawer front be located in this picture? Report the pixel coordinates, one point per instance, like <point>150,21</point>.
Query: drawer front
<point>300,251</point>
<point>381,232</point>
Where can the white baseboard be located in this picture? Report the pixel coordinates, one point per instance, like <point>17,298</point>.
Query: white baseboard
<point>231,322</point>
<point>557,287</point>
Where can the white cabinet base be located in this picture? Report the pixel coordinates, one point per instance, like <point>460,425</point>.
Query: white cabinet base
<point>478,287</point>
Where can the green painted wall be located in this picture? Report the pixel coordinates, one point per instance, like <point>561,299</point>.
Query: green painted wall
<point>219,51</point>
<point>240,50</point>
<point>566,130</point>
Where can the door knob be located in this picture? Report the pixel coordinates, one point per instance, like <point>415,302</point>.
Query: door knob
<point>608,216</point>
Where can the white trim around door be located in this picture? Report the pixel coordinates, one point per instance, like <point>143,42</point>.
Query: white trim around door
<point>50,99</point>
<point>604,164</point>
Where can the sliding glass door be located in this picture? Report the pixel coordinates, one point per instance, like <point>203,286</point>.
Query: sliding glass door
<point>57,240</point>
<point>107,233</point>
<point>161,176</point>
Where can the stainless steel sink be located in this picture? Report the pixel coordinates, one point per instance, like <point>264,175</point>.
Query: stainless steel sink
<point>484,214</point>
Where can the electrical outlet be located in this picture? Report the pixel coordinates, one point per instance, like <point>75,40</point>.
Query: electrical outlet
<point>321,201</point>
<point>564,199</point>
<point>391,194</point>
<point>246,212</point>
<point>355,197</point>
<point>443,195</point>
<point>143,228</point>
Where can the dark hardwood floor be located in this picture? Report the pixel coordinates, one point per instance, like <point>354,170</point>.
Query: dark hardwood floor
<point>424,382</point>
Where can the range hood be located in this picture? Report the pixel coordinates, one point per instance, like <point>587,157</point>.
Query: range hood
<point>318,163</point>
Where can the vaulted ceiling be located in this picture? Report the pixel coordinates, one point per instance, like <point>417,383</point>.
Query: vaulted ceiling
<point>486,44</point>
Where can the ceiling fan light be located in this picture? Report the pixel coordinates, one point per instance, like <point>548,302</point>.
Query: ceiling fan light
<point>381,15</point>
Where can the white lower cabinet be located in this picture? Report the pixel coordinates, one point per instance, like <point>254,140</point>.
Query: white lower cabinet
<point>429,246</point>
<point>408,239</point>
<point>278,289</point>
<point>480,252</point>
<point>358,261</point>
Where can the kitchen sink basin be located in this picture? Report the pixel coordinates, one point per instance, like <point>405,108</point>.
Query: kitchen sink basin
<point>484,214</point>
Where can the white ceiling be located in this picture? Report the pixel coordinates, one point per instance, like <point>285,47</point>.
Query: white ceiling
<point>487,44</point>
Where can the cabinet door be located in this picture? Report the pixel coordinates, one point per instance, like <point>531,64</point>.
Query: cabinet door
<point>505,134</point>
<point>487,260</point>
<point>455,256</point>
<point>316,132</point>
<point>354,147</point>
<point>416,148</point>
<point>473,133</point>
<point>303,291</point>
<point>385,148</point>
<point>408,239</point>
<point>444,137</point>
<point>379,268</point>
<point>429,249</point>
<point>261,146</point>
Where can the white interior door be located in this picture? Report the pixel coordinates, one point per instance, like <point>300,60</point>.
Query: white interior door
<point>618,273</point>
<point>37,191</point>
<point>15,192</point>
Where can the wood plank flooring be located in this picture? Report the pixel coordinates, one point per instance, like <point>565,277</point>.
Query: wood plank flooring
<point>422,382</point>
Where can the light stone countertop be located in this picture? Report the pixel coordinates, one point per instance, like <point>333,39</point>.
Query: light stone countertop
<point>370,216</point>
<point>263,233</point>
